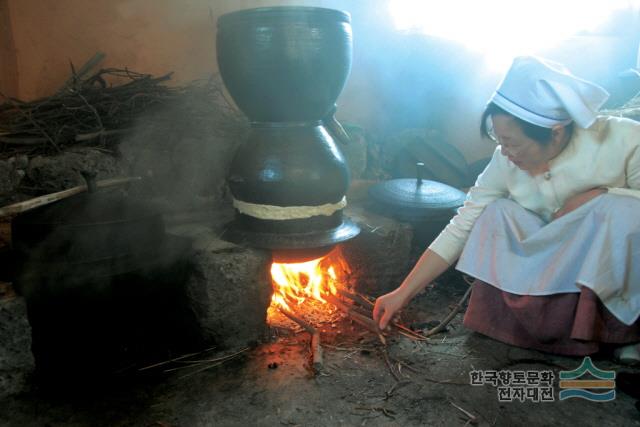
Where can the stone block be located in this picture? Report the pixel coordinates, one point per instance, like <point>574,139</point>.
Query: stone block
<point>229,290</point>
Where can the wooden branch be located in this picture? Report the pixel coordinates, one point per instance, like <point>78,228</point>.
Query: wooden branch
<point>316,349</point>
<point>96,115</point>
<point>78,75</point>
<point>316,352</point>
<point>363,302</point>
<point>456,309</point>
<point>368,323</point>
<point>472,418</point>
<point>408,332</point>
<point>99,134</point>
<point>27,205</point>
<point>358,299</point>
<point>39,128</point>
<point>385,356</point>
<point>306,326</point>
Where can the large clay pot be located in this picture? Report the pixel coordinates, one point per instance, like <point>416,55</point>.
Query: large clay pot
<point>284,63</point>
<point>290,165</point>
<point>285,67</point>
<point>287,164</point>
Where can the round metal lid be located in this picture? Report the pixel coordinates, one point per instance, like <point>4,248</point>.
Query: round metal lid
<point>413,199</point>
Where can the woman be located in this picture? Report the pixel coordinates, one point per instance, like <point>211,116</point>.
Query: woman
<point>551,228</point>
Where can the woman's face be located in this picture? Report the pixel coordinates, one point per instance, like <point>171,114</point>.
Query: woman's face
<point>524,152</point>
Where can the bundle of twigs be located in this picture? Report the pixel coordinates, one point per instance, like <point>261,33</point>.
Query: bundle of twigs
<point>101,109</point>
<point>361,313</point>
<point>89,110</point>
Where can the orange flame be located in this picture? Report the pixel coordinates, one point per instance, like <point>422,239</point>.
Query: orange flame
<point>295,283</point>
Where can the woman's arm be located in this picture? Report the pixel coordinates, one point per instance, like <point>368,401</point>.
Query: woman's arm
<point>427,269</point>
<point>446,248</point>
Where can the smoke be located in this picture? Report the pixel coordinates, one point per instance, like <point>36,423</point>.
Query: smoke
<point>184,148</point>
<point>398,81</point>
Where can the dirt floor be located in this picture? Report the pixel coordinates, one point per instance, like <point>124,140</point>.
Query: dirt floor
<point>406,383</point>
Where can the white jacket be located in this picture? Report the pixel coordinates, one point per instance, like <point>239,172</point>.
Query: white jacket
<point>607,154</point>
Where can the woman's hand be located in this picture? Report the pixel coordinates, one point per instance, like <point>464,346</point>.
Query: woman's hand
<point>574,202</point>
<point>387,306</point>
<point>428,268</point>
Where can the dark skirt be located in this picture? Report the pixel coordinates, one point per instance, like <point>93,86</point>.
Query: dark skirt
<point>573,324</point>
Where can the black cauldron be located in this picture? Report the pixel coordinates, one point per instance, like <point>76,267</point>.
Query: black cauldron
<point>103,284</point>
<point>88,235</point>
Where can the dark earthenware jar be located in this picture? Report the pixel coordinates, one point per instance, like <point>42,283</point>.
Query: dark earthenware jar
<point>285,67</point>
<point>284,63</point>
<point>290,165</point>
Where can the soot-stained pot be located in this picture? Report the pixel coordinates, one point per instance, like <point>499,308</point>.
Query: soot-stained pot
<point>285,67</point>
<point>102,281</point>
<point>286,63</point>
<point>290,165</point>
<point>88,235</point>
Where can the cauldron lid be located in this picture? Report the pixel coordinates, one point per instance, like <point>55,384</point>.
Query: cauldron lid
<point>99,207</point>
<point>410,197</point>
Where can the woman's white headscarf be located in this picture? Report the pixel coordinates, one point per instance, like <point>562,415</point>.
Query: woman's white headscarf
<point>546,94</point>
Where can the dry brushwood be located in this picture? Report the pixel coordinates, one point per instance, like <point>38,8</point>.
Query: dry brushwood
<point>101,109</point>
<point>363,316</point>
<point>317,362</point>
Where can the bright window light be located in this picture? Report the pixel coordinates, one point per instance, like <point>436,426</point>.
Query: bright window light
<point>502,29</point>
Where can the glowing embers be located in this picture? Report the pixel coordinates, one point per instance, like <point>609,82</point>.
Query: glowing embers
<point>302,287</point>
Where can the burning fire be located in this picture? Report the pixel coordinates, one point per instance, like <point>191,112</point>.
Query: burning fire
<point>293,284</point>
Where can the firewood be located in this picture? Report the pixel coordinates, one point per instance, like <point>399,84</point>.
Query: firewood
<point>316,352</point>
<point>358,299</point>
<point>100,134</point>
<point>95,110</point>
<point>364,303</point>
<point>316,349</point>
<point>456,309</point>
<point>77,76</point>
<point>365,321</point>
